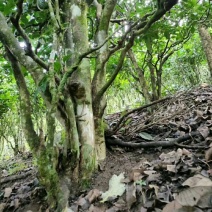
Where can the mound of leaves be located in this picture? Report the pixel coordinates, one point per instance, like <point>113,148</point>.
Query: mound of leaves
<point>184,120</point>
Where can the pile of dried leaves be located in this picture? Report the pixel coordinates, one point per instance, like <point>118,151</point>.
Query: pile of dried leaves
<point>185,118</point>
<point>18,183</point>
<point>160,185</point>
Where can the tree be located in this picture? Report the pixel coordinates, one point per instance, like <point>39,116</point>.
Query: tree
<point>157,46</point>
<point>57,54</point>
<point>207,44</point>
<point>165,40</point>
<point>187,67</point>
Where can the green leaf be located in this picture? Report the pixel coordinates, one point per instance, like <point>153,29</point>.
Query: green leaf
<point>167,35</point>
<point>57,66</point>
<point>43,84</point>
<point>146,136</point>
<point>140,182</point>
<point>128,121</point>
<point>66,57</point>
<point>9,7</point>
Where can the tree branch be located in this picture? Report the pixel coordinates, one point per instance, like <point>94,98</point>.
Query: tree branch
<point>9,41</point>
<point>173,142</point>
<point>115,73</point>
<point>156,16</point>
<point>117,127</point>
<point>16,24</point>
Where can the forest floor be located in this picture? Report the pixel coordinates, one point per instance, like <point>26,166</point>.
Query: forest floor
<point>159,158</point>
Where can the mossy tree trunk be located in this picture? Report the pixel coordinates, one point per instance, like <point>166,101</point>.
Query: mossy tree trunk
<point>206,44</point>
<point>99,79</point>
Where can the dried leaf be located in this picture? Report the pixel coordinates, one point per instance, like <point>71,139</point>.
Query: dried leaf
<point>15,203</point>
<point>197,180</point>
<point>2,207</point>
<point>143,209</point>
<point>116,187</point>
<point>198,113</point>
<point>136,175</point>
<point>192,196</point>
<point>156,188</point>
<point>171,157</point>
<point>120,205</point>
<point>130,195</point>
<point>164,196</point>
<point>96,209</point>
<point>83,203</point>
<point>7,192</point>
<point>208,155</point>
<point>186,152</point>
<point>210,172</point>
<point>172,206</point>
<point>204,131</point>
<point>112,209</point>
<point>171,168</point>
<point>93,195</point>
<point>152,175</point>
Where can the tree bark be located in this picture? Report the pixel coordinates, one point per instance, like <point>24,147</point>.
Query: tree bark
<point>141,78</point>
<point>152,69</point>
<point>99,79</point>
<point>206,44</point>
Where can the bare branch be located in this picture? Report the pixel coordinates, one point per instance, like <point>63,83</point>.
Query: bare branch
<point>117,127</point>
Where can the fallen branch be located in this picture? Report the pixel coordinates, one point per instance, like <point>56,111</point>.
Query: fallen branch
<point>119,142</point>
<point>159,121</point>
<point>16,177</point>
<point>117,127</point>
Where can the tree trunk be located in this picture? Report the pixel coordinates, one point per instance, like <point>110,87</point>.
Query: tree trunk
<point>207,44</point>
<point>141,78</point>
<point>80,83</point>
<point>99,79</point>
<point>48,176</point>
<point>152,70</point>
<point>159,82</point>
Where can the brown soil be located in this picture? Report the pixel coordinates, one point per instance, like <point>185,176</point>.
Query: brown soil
<point>120,161</point>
